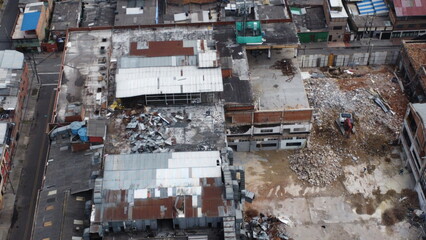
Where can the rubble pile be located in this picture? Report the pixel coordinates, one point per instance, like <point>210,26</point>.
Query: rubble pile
<point>285,66</point>
<point>147,132</point>
<point>324,95</point>
<point>164,129</point>
<point>265,228</point>
<point>318,165</point>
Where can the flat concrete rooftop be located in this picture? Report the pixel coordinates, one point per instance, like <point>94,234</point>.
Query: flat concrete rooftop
<point>85,72</point>
<point>271,89</point>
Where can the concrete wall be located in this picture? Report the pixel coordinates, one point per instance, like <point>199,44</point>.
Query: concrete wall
<point>268,117</point>
<point>349,59</point>
<point>177,223</point>
<point>273,142</point>
<point>307,37</point>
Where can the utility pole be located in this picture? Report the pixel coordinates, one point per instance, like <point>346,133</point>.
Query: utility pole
<point>370,33</point>
<point>10,182</point>
<point>33,66</point>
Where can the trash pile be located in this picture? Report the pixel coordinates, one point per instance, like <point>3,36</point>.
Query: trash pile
<point>265,227</point>
<point>318,165</point>
<point>163,130</point>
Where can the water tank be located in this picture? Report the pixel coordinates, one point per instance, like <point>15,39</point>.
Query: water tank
<point>82,133</point>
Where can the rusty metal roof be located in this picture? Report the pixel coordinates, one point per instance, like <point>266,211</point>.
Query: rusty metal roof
<point>162,49</point>
<point>406,8</point>
<point>162,185</point>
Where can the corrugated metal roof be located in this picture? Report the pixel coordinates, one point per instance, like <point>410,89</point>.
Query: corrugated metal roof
<point>11,59</point>
<point>170,61</point>
<point>167,80</point>
<point>208,59</point>
<point>30,21</point>
<point>372,7</point>
<point>139,171</point>
<point>3,130</point>
<point>96,128</point>
<point>410,7</point>
<point>153,186</point>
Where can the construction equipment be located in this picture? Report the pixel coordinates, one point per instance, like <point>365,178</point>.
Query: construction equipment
<point>345,123</point>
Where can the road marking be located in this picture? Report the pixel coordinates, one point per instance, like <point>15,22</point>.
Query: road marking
<point>47,73</point>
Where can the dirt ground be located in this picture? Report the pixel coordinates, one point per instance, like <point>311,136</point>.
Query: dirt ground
<point>371,197</point>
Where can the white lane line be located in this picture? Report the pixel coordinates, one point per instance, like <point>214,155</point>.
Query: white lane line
<point>47,73</point>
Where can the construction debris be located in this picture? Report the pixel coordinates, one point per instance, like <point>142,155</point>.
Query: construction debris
<point>370,99</point>
<point>286,67</point>
<point>326,96</point>
<point>265,227</point>
<point>165,129</point>
<point>318,165</point>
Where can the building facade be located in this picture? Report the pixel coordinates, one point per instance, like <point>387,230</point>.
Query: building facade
<point>413,140</point>
<point>337,20</point>
<point>14,87</point>
<point>408,18</point>
<point>412,69</point>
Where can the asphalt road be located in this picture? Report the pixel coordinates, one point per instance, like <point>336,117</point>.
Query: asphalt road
<point>7,24</point>
<point>33,169</point>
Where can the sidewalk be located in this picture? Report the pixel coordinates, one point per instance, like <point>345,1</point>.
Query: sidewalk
<point>6,214</point>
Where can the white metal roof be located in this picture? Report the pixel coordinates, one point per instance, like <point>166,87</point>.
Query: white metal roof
<point>167,80</point>
<point>176,169</point>
<point>11,59</point>
<point>3,129</point>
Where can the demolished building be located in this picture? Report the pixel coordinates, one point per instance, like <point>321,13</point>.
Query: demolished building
<point>412,139</point>
<point>266,106</point>
<point>412,69</point>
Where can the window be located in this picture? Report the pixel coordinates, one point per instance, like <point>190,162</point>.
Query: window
<point>411,123</point>
<point>337,28</point>
<point>263,145</point>
<point>293,144</point>
<point>416,160</point>
<point>266,130</point>
<point>299,129</point>
<point>399,26</point>
<point>411,25</point>
<point>406,137</point>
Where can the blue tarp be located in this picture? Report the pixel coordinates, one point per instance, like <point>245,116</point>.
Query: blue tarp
<point>30,21</point>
